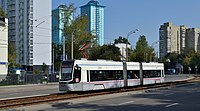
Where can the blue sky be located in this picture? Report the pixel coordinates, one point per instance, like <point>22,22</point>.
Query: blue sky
<point>122,16</point>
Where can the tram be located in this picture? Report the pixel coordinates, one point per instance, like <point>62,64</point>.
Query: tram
<point>86,75</point>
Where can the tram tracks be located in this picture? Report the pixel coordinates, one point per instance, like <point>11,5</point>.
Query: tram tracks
<point>25,101</point>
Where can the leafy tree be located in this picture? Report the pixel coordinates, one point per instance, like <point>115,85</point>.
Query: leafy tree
<point>12,57</point>
<point>188,52</point>
<point>187,60</point>
<point>121,40</point>
<point>44,67</point>
<point>108,52</point>
<point>11,53</point>
<point>2,13</point>
<point>77,28</point>
<point>143,51</point>
<point>195,60</point>
<point>68,13</point>
<point>57,56</point>
<point>36,72</point>
<point>170,60</point>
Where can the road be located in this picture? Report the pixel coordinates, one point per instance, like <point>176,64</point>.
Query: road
<point>27,90</point>
<point>180,98</point>
<point>41,89</point>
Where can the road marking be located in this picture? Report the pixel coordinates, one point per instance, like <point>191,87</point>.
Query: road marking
<point>171,105</point>
<point>126,103</point>
<point>169,94</point>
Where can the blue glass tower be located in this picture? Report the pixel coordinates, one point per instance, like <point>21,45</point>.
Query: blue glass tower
<point>95,14</point>
<point>58,16</point>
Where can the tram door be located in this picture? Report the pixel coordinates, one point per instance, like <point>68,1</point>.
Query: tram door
<point>89,86</point>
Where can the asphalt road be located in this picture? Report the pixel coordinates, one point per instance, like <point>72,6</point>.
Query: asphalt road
<point>41,89</point>
<point>27,90</point>
<point>180,98</point>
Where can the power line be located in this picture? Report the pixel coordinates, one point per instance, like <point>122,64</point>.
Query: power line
<point>43,17</point>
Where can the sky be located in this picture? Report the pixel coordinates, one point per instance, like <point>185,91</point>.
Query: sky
<point>123,16</point>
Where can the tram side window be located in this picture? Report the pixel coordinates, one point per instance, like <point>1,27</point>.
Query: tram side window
<point>110,75</point>
<point>104,75</point>
<point>151,73</point>
<point>93,76</point>
<point>97,75</point>
<point>133,74</point>
<point>119,74</point>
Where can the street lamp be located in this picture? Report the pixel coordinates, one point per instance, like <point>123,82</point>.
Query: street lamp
<point>72,42</point>
<point>131,32</point>
<point>124,62</point>
<point>153,48</point>
<point>72,46</point>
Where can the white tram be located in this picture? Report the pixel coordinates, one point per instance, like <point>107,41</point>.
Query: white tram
<point>85,75</point>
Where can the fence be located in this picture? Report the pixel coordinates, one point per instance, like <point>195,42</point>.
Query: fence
<point>17,79</point>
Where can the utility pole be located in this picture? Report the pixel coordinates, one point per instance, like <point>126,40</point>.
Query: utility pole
<point>125,62</point>
<point>125,74</point>
<point>63,58</point>
<point>141,74</point>
<point>72,46</point>
<point>53,60</point>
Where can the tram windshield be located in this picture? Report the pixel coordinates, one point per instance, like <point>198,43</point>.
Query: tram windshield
<point>66,71</point>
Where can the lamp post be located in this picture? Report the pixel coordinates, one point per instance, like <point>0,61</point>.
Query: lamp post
<point>72,42</point>
<point>131,32</point>
<point>124,62</point>
<point>153,48</point>
<point>72,46</point>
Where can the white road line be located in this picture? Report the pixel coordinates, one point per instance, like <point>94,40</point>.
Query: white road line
<point>169,94</point>
<point>171,105</point>
<point>126,103</point>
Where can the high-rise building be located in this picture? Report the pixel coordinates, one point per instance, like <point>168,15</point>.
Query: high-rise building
<point>169,39</point>
<point>30,31</point>
<point>3,48</point>
<point>177,38</point>
<point>95,14</point>
<point>3,5</point>
<point>58,19</point>
<point>192,38</point>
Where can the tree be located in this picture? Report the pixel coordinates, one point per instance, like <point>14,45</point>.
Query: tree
<point>44,67</point>
<point>108,52</point>
<point>77,28</point>
<point>121,40</point>
<point>188,52</point>
<point>2,13</point>
<point>57,56</point>
<point>12,57</point>
<point>11,54</point>
<point>142,51</point>
<point>36,72</point>
<point>68,13</point>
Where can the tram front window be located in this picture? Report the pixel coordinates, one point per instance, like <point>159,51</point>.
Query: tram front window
<point>66,74</point>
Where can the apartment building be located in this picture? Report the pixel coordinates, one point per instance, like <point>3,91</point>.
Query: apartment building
<point>3,5</point>
<point>192,38</point>
<point>177,38</point>
<point>30,31</point>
